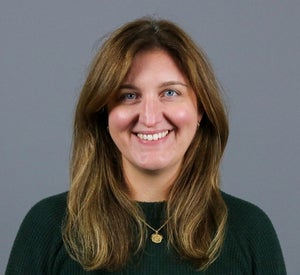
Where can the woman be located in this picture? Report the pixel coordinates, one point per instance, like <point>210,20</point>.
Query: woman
<point>149,133</point>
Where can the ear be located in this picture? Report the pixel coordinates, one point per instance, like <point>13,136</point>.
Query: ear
<point>200,115</point>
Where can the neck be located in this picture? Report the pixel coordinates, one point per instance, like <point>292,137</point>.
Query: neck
<point>148,186</point>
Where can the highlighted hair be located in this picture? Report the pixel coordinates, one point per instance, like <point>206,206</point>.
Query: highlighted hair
<point>98,202</point>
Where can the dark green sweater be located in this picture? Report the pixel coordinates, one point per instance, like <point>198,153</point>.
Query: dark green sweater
<point>251,245</point>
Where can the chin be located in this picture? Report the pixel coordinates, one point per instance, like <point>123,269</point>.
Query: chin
<point>154,167</point>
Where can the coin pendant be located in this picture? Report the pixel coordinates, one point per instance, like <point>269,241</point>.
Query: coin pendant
<point>156,238</point>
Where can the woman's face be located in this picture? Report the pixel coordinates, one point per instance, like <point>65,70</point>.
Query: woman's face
<point>154,117</point>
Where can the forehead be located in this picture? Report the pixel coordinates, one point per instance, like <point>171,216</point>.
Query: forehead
<point>156,63</point>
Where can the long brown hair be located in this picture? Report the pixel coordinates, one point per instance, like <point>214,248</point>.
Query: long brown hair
<point>103,227</point>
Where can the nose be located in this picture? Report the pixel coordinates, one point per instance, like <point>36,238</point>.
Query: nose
<point>150,112</point>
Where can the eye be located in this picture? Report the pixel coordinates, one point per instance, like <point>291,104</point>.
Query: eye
<point>170,93</point>
<point>128,96</point>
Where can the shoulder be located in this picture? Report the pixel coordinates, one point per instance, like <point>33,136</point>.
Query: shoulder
<point>246,217</point>
<point>238,206</point>
<point>48,210</point>
<point>43,222</point>
<point>247,222</point>
<point>54,204</point>
<point>243,212</point>
<point>39,240</point>
<point>251,232</point>
<point>44,219</point>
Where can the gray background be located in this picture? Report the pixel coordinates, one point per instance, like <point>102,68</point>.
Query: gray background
<point>254,46</point>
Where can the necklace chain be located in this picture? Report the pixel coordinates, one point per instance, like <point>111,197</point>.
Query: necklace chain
<point>156,237</point>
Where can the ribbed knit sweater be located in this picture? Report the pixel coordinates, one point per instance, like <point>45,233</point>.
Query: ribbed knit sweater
<point>250,247</point>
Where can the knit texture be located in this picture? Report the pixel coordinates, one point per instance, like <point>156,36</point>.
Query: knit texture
<point>251,245</point>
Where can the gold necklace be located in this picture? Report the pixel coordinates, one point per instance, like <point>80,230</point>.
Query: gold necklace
<point>156,237</point>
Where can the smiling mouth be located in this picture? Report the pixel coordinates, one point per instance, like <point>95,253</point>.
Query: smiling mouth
<point>150,137</point>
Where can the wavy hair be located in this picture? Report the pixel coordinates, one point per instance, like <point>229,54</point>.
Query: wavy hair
<point>98,201</point>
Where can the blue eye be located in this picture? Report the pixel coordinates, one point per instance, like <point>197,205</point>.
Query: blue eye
<point>128,96</point>
<point>170,93</point>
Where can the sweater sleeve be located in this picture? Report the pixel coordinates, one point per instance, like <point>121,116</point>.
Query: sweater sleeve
<point>38,238</point>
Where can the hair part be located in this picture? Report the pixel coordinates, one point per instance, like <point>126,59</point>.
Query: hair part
<point>98,200</point>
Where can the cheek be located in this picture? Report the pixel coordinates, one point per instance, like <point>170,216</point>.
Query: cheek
<point>185,116</point>
<point>119,120</point>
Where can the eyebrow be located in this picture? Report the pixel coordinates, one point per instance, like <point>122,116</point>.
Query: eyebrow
<point>171,83</point>
<point>128,86</point>
<point>164,84</point>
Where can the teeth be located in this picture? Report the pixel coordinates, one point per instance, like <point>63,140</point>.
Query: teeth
<point>156,136</point>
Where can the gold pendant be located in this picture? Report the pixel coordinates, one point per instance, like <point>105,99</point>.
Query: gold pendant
<point>156,238</point>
